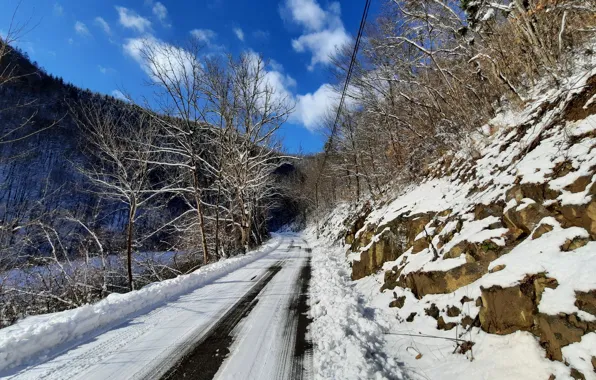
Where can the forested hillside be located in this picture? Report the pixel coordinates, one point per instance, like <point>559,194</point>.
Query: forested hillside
<point>90,183</point>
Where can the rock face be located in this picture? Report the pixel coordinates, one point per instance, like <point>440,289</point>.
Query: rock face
<point>505,310</point>
<point>530,194</point>
<point>442,282</point>
<point>557,331</point>
<point>357,224</point>
<point>386,248</point>
<point>586,301</point>
<point>392,239</point>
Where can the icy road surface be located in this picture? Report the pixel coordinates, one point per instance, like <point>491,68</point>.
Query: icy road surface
<point>248,324</point>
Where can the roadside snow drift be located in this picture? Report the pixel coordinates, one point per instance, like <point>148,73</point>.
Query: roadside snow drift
<point>33,337</point>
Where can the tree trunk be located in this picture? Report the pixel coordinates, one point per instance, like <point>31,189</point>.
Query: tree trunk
<point>129,239</point>
<point>201,217</point>
<point>217,220</point>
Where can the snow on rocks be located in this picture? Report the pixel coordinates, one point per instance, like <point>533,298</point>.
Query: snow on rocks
<point>33,337</point>
<point>498,282</point>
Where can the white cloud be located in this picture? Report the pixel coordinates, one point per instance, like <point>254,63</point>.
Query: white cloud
<point>323,30</point>
<point>157,57</point>
<point>160,11</point>
<point>261,34</point>
<point>312,108</point>
<point>99,21</point>
<point>81,29</point>
<point>119,95</point>
<point>204,35</point>
<point>322,45</point>
<point>274,78</point>
<point>239,33</point>
<point>130,19</point>
<point>70,41</point>
<point>306,13</point>
<point>58,9</point>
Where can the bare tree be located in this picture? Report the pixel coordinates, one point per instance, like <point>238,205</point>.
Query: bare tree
<point>175,73</point>
<point>252,150</point>
<point>120,163</point>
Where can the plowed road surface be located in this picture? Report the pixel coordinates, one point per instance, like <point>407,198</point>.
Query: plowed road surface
<point>249,324</point>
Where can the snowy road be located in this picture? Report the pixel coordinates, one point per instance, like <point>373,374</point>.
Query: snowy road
<point>243,325</point>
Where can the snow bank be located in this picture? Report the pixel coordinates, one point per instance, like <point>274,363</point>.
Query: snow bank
<point>32,338</point>
<point>348,343</point>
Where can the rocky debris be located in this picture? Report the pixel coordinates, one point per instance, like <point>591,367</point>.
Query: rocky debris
<point>541,230</point>
<point>408,227</point>
<point>561,169</point>
<point>575,243</point>
<point>398,302</point>
<point>578,108</point>
<point>433,311</point>
<point>583,216</point>
<point>497,268</point>
<point>586,301</point>
<point>557,331</point>
<point>420,245</point>
<point>522,221</point>
<point>411,317</point>
<point>453,311</point>
<point>539,192</point>
<point>391,277</point>
<point>482,211</point>
<point>442,325</point>
<point>579,184</point>
<point>465,346</point>
<point>505,310</point>
<point>458,249</point>
<point>466,299</point>
<point>394,238</point>
<point>468,321</point>
<point>486,251</point>
<point>577,375</point>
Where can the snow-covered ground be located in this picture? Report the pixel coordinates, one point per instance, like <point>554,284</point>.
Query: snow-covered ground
<point>265,341</point>
<point>129,336</point>
<point>348,337</point>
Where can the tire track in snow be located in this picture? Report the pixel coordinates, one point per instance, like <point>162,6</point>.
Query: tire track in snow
<point>203,359</point>
<point>299,312</point>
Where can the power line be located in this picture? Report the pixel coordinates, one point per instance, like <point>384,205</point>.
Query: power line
<point>343,94</point>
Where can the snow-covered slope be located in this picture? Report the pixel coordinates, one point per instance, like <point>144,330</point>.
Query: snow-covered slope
<point>486,269</point>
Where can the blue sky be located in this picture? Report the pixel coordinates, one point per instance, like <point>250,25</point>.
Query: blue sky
<point>87,42</point>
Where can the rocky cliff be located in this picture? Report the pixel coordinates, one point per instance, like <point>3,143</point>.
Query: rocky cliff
<point>498,239</point>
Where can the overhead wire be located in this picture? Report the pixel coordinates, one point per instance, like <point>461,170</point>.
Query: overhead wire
<point>329,143</point>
